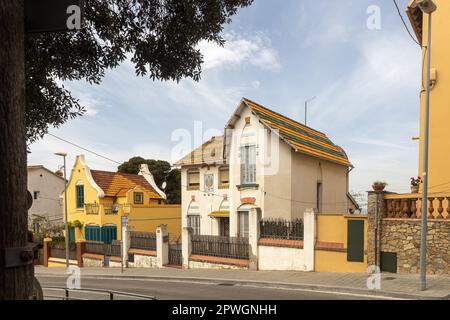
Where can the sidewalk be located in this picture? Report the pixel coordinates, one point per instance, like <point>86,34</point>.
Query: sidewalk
<point>392,285</point>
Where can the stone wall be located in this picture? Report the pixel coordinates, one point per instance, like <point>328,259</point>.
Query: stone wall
<point>92,262</point>
<point>143,261</point>
<point>209,265</point>
<point>402,236</point>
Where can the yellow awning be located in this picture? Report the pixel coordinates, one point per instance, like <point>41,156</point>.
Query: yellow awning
<point>220,214</point>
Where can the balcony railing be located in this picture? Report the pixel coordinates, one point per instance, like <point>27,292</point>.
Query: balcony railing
<point>409,206</point>
<point>92,208</point>
<point>115,209</point>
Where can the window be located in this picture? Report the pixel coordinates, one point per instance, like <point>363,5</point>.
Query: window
<point>224,177</point>
<point>193,179</point>
<point>138,198</point>
<point>319,197</point>
<point>93,233</point>
<point>80,196</point>
<point>248,164</point>
<point>109,233</point>
<point>243,224</point>
<point>36,195</point>
<point>194,223</point>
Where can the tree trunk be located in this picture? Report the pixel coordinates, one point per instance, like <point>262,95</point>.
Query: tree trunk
<point>16,282</point>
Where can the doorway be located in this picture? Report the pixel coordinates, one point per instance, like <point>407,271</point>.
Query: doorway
<point>224,227</point>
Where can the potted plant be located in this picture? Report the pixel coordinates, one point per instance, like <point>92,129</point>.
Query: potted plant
<point>77,224</point>
<point>379,185</point>
<point>415,184</point>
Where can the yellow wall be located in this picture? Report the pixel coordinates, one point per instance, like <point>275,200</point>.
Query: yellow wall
<point>333,228</point>
<point>142,217</point>
<point>149,218</point>
<point>439,139</point>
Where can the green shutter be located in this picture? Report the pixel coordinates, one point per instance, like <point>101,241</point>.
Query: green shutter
<point>80,196</point>
<point>355,240</point>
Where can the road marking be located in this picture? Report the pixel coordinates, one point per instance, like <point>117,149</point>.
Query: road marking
<point>206,282</point>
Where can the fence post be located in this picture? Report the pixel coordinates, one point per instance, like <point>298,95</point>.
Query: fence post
<point>46,250</point>
<point>162,246</point>
<point>125,244</point>
<point>253,237</point>
<point>81,246</point>
<point>309,238</point>
<point>186,246</point>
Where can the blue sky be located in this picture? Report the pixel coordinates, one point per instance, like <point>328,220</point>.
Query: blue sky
<point>278,53</point>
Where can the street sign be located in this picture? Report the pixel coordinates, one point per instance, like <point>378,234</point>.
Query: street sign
<point>53,15</point>
<point>124,220</point>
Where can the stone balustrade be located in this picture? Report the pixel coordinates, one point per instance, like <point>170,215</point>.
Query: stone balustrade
<point>409,206</point>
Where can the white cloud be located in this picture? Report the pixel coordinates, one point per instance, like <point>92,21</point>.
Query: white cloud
<point>253,50</point>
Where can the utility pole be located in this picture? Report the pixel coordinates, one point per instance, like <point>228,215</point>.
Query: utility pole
<point>66,222</point>
<point>427,7</point>
<point>16,268</point>
<point>306,108</point>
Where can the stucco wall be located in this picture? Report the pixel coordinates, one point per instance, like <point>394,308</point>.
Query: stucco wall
<point>89,262</point>
<point>50,187</point>
<point>279,258</point>
<point>141,261</point>
<point>208,265</point>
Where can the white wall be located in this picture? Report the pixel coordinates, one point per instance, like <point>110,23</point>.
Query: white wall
<point>50,188</point>
<point>280,258</point>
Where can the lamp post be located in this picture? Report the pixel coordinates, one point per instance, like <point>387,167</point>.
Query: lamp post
<point>427,7</point>
<point>306,108</point>
<point>64,155</point>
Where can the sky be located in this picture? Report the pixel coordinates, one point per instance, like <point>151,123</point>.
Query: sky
<point>279,54</point>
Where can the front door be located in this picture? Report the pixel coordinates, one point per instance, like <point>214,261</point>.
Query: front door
<point>224,227</point>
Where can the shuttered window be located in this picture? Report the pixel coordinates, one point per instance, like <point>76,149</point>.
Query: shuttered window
<point>224,176</point>
<point>109,233</point>
<point>92,233</point>
<point>193,179</point>
<point>194,223</point>
<point>79,196</point>
<point>243,224</point>
<point>248,164</point>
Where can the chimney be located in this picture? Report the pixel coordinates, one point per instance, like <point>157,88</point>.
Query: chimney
<point>59,173</point>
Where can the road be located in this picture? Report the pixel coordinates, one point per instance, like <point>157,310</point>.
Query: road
<point>189,290</point>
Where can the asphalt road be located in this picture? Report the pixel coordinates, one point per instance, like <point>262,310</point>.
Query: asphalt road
<point>187,290</point>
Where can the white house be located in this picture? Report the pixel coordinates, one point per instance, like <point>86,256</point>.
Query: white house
<point>263,160</point>
<point>45,186</point>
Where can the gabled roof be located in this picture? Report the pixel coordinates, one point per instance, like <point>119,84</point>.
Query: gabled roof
<point>117,184</point>
<point>301,138</point>
<point>208,153</point>
<point>37,167</point>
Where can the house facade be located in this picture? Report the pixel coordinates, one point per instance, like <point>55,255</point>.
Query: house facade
<point>45,187</point>
<point>263,160</point>
<point>102,200</point>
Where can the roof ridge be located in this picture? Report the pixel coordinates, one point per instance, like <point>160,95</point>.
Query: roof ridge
<point>281,115</point>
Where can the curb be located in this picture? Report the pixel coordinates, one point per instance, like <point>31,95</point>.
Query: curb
<point>269,284</point>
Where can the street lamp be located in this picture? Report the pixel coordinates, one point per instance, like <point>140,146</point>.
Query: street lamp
<point>64,155</point>
<point>427,7</point>
<point>306,107</point>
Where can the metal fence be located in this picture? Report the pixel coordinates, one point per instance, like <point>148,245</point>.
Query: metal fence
<point>143,240</point>
<point>175,256</point>
<point>216,246</point>
<point>94,247</point>
<point>281,229</point>
<point>113,249</point>
<point>58,250</point>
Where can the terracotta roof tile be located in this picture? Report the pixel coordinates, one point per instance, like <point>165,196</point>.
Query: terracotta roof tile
<point>209,152</point>
<point>117,184</point>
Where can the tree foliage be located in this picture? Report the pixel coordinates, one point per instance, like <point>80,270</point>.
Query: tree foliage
<point>160,38</point>
<point>161,171</point>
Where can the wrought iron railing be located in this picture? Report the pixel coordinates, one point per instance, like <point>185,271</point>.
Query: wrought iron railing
<point>142,240</point>
<point>175,255</point>
<point>109,294</point>
<point>216,246</point>
<point>281,229</point>
<point>95,247</point>
<point>91,208</point>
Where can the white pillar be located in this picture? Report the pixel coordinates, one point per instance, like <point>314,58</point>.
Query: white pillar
<point>309,238</point>
<point>253,237</point>
<point>186,246</point>
<point>162,246</point>
<point>125,244</point>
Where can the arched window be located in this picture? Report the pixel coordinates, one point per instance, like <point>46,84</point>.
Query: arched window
<point>224,206</point>
<point>92,232</point>
<point>109,233</point>
<point>248,155</point>
<point>193,216</point>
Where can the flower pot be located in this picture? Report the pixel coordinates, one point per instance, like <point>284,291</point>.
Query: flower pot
<point>377,187</point>
<point>414,189</point>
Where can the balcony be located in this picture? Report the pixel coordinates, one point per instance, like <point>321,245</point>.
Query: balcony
<point>409,206</point>
<point>115,209</point>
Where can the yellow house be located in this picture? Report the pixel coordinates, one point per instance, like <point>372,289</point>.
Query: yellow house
<point>99,200</point>
<point>439,134</point>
